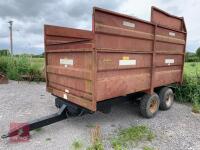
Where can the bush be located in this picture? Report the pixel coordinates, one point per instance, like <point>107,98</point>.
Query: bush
<point>35,73</point>
<point>21,68</point>
<point>3,64</point>
<point>191,57</point>
<point>189,91</point>
<point>198,52</point>
<point>12,70</point>
<point>4,52</point>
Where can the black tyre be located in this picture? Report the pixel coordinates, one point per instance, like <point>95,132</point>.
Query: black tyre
<point>149,105</point>
<point>166,96</point>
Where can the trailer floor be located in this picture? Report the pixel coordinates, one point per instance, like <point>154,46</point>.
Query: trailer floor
<point>176,129</point>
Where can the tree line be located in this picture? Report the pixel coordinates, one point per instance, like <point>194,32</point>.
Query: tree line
<point>6,52</point>
<point>193,57</point>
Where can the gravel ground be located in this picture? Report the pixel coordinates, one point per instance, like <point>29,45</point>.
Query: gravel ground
<point>176,129</point>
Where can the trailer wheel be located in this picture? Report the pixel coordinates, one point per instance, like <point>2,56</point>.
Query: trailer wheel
<point>149,105</point>
<point>166,98</point>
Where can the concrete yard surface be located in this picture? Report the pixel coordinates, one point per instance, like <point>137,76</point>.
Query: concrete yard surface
<point>175,129</point>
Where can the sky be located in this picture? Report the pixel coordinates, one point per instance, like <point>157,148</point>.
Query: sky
<point>29,17</point>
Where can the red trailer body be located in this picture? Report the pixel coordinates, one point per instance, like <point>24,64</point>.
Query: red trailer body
<point>121,55</point>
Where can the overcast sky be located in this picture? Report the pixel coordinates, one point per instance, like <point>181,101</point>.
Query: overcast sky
<point>29,17</point>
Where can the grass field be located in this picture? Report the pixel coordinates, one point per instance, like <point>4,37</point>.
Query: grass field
<point>189,91</point>
<point>192,68</point>
<point>22,68</point>
<point>40,62</point>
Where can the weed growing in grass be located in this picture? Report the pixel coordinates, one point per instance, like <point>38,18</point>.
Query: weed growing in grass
<point>98,145</point>
<point>120,142</point>
<point>77,145</point>
<point>96,140</point>
<point>148,148</point>
<point>196,107</point>
<point>132,135</point>
<point>117,145</point>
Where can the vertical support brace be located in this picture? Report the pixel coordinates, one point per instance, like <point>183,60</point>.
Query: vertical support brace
<point>94,63</point>
<point>153,62</point>
<point>45,55</point>
<point>182,69</point>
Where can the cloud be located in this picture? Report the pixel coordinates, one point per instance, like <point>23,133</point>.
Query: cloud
<point>139,9</point>
<point>30,16</point>
<point>23,9</point>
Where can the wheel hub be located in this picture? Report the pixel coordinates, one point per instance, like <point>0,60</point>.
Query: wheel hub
<point>169,100</point>
<point>153,106</point>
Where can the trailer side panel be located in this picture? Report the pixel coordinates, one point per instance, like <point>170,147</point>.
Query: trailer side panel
<point>135,55</point>
<point>69,64</point>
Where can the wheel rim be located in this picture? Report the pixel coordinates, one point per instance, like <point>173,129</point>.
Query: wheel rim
<point>153,106</point>
<point>169,100</point>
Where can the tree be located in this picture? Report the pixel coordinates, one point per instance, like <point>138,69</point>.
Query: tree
<point>198,52</point>
<point>4,52</point>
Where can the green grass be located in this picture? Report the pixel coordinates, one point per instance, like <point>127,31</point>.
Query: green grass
<point>148,148</point>
<point>120,140</point>
<point>22,68</point>
<point>189,91</point>
<point>132,135</point>
<point>77,145</point>
<point>196,108</point>
<point>192,68</point>
<point>97,145</point>
<point>40,62</point>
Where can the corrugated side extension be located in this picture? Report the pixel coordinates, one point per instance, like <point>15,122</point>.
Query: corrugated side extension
<point>163,18</point>
<point>170,47</point>
<point>69,64</point>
